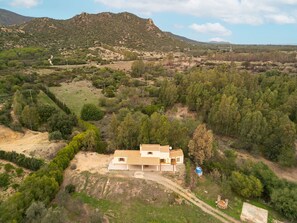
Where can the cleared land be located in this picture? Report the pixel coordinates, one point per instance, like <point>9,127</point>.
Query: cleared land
<point>77,93</point>
<point>30,143</point>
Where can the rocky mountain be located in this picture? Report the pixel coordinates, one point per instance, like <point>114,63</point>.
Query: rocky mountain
<point>8,18</point>
<point>86,30</point>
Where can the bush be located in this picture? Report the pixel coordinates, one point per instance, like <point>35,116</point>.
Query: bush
<point>4,180</point>
<point>91,112</point>
<point>70,188</point>
<point>246,186</point>
<point>19,171</point>
<point>285,201</point>
<point>56,135</point>
<point>8,167</point>
<point>63,123</point>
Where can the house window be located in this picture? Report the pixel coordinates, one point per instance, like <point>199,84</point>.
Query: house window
<point>121,159</point>
<point>149,153</point>
<point>178,159</point>
<point>162,161</point>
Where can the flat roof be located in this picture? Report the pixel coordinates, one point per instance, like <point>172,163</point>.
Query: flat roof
<point>252,213</point>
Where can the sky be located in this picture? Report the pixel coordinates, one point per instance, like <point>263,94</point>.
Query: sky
<point>235,21</point>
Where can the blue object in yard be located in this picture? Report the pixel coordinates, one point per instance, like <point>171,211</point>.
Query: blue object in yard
<point>198,170</point>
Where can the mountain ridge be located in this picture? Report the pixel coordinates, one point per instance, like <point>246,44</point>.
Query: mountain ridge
<point>85,30</point>
<point>8,18</point>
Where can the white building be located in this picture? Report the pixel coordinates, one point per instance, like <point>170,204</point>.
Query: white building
<point>153,157</point>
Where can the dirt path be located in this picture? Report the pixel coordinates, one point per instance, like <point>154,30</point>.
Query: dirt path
<point>186,195</point>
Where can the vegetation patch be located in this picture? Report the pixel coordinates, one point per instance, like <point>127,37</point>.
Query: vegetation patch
<point>76,94</point>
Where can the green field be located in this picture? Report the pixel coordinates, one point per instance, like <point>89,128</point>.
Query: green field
<point>141,212</point>
<point>76,94</point>
<point>44,99</point>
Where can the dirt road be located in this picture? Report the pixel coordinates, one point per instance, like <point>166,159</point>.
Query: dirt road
<point>186,195</point>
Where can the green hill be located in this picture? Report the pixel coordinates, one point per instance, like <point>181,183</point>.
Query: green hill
<point>87,30</point>
<point>8,18</point>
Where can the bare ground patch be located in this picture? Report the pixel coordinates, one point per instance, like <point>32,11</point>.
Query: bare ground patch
<point>180,112</point>
<point>30,143</point>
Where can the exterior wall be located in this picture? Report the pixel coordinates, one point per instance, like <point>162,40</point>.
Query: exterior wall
<point>115,160</point>
<point>164,155</point>
<point>154,154</point>
<point>112,166</point>
<point>181,159</point>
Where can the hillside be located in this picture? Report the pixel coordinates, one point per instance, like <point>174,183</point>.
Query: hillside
<point>87,30</point>
<point>8,18</point>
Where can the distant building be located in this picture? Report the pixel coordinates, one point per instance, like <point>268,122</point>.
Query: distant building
<point>251,213</point>
<point>150,157</point>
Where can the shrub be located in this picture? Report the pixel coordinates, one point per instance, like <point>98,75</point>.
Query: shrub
<point>19,171</point>
<point>285,201</point>
<point>56,135</point>
<point>4,180</point>
<point>246,186</point>
<point>8,167</point>
<point>91,112</point>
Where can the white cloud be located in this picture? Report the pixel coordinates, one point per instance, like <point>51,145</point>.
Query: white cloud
<point>253,12</point>
<point>211,28</point>
<point>281,19</point>
<point>217,39</point>
<point>25,3</point>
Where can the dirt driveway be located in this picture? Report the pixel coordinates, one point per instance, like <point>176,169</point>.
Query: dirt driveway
<point>98,163</point>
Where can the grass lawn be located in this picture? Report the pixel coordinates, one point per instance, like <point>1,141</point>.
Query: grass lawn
<point>76,94</point>
<point>44,99</point>
<point>141,212</point>
<point>207,190</point>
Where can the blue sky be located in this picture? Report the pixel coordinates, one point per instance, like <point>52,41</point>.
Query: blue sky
<point>236,21</point>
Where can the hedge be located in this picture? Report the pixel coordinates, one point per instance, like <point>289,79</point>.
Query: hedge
<point>22,160</point>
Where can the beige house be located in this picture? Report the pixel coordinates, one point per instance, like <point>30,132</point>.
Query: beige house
<point>151,157</point>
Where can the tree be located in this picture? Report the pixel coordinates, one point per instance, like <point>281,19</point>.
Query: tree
<point>45,112</point>
<point>91,112</point>
<point>252,127</point>
<point>160,129</point>
<point>63,123</point>
<point>225,115</point>
<point>246,186</point>
<point>128,133</point>
<point>168,93</point>
<point>201,146</point>
<point>35,212</point>
<point>138,68</point>
<point>285,201</point>
<point>30,117</point>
